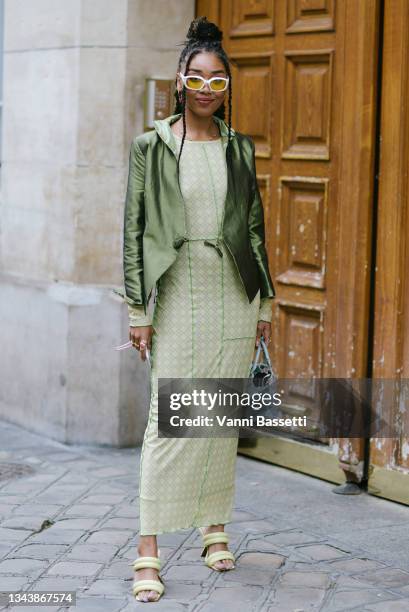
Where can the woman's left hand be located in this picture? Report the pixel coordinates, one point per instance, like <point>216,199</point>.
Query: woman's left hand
<point>263,329</point>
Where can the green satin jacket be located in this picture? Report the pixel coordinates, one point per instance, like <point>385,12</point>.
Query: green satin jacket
<point>154,220</point>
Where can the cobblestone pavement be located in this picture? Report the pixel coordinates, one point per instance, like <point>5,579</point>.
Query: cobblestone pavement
<point>71,523</point>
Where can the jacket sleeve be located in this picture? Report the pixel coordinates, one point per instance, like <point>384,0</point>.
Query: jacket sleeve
<point>265,313</point>
<point>137,316</point>
<point>257,233</point>
<point>134,226</point>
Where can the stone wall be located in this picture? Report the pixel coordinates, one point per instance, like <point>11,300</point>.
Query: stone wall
<point>73,101</point>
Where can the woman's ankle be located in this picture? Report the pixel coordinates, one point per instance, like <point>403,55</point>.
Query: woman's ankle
<point>148,546</point>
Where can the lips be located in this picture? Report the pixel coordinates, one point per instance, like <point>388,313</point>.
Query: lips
<point>204,100</point>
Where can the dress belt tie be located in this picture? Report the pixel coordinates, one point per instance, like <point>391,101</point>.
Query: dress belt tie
<point>214,242</point>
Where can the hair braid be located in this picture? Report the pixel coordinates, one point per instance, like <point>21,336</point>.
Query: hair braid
<point>184,123</point>
<point>203,36</point>
<point>230,112</point>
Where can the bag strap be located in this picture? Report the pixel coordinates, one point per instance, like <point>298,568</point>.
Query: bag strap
<point>261,345</point>
<point>266,353</point>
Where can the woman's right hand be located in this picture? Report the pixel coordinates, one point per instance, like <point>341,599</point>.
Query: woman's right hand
<point>141,338</point>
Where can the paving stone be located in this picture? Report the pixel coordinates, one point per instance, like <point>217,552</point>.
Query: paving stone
<point>399,605</point>
<point>246,527</point>
<point>33,509</point>
<point>121,523</point>
<point>12,536</point>
<point>105,586</point>
<point>304,598</point>
<point>76,478</point>
<point>130,552</point>
<point>71,523</point>
<point>249,576</point>
<point>308,578</point>
<point>61,583</point>
<point>353,566</point>
<point>28,523</point>
<point>22,566</point>
<point>163,604</point>
<point>105,488</point>
<point>183,593</point>
<point>190,554</point>
<point>73,568</point>
<point>106,536</point>
<point>290,538</point>
<point>262,545</point>
<point>60,457</point>
<point>39,608</point>
<point>118,568</point>
<point>243,515</point>
<point>342,600</point>
<point>195,573</point>
<point>40,551</point>
<point>350,583</point>
<point>12,583</point>
<point>236,598</point>
<point>102,499</point>
<point>108,472</point>
<point>60,497</point>
<point>127,511</point>
<point>91,552</point>
<point>6,509</point>
<point>174,539</point>
<point>12,499</point>
<point>321,552</point>
<point>99,604</point>
<point>85,510</point>
<point>389,577</point>
<point>51,535</point>
<point>266,561</point>
<point>27,486</point>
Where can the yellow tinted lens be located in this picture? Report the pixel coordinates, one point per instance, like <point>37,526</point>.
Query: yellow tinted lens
<point>194,82</point>
<point>218,84</point>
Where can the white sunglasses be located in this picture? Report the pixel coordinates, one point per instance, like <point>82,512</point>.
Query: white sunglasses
<point>196,82</point>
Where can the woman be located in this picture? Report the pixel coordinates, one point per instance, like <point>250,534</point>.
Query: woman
<point>212,304</point>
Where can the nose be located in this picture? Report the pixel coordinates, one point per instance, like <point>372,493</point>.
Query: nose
<point>206,88</point>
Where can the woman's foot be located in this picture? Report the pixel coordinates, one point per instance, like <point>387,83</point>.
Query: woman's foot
<point>147,547</point>
<point>223,564</point>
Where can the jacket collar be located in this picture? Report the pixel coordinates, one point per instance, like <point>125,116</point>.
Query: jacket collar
<point>162,127</point>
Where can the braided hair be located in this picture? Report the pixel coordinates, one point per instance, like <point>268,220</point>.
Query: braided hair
<point>202,36</point>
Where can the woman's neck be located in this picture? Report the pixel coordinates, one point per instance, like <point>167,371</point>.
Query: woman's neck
<point>197,128</point>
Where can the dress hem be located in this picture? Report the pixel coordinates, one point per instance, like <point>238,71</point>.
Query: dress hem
<point>194,525</point>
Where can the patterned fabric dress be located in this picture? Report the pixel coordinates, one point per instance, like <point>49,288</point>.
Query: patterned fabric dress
<point>204,326</point>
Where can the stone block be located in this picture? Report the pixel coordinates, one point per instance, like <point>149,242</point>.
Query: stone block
<point>74,568</point>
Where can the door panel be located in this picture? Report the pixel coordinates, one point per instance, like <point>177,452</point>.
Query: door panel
<point>389,458</point>
<point>304,76</point>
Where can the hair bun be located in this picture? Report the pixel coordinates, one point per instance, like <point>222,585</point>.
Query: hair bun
<point>202,30</point>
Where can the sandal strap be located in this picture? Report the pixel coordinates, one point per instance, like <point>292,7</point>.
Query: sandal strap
<point>147,585</point>
<point>217,537</point>
<point>220,555</point>
<point>144,562</point>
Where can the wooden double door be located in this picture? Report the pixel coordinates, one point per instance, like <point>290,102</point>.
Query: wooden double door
<point>323,88</point>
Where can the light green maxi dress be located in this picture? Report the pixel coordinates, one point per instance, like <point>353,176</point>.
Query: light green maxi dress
<point>204,326</point>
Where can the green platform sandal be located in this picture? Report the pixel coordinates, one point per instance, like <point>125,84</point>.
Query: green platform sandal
<point>147,585</point>
<point>216,537</point>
